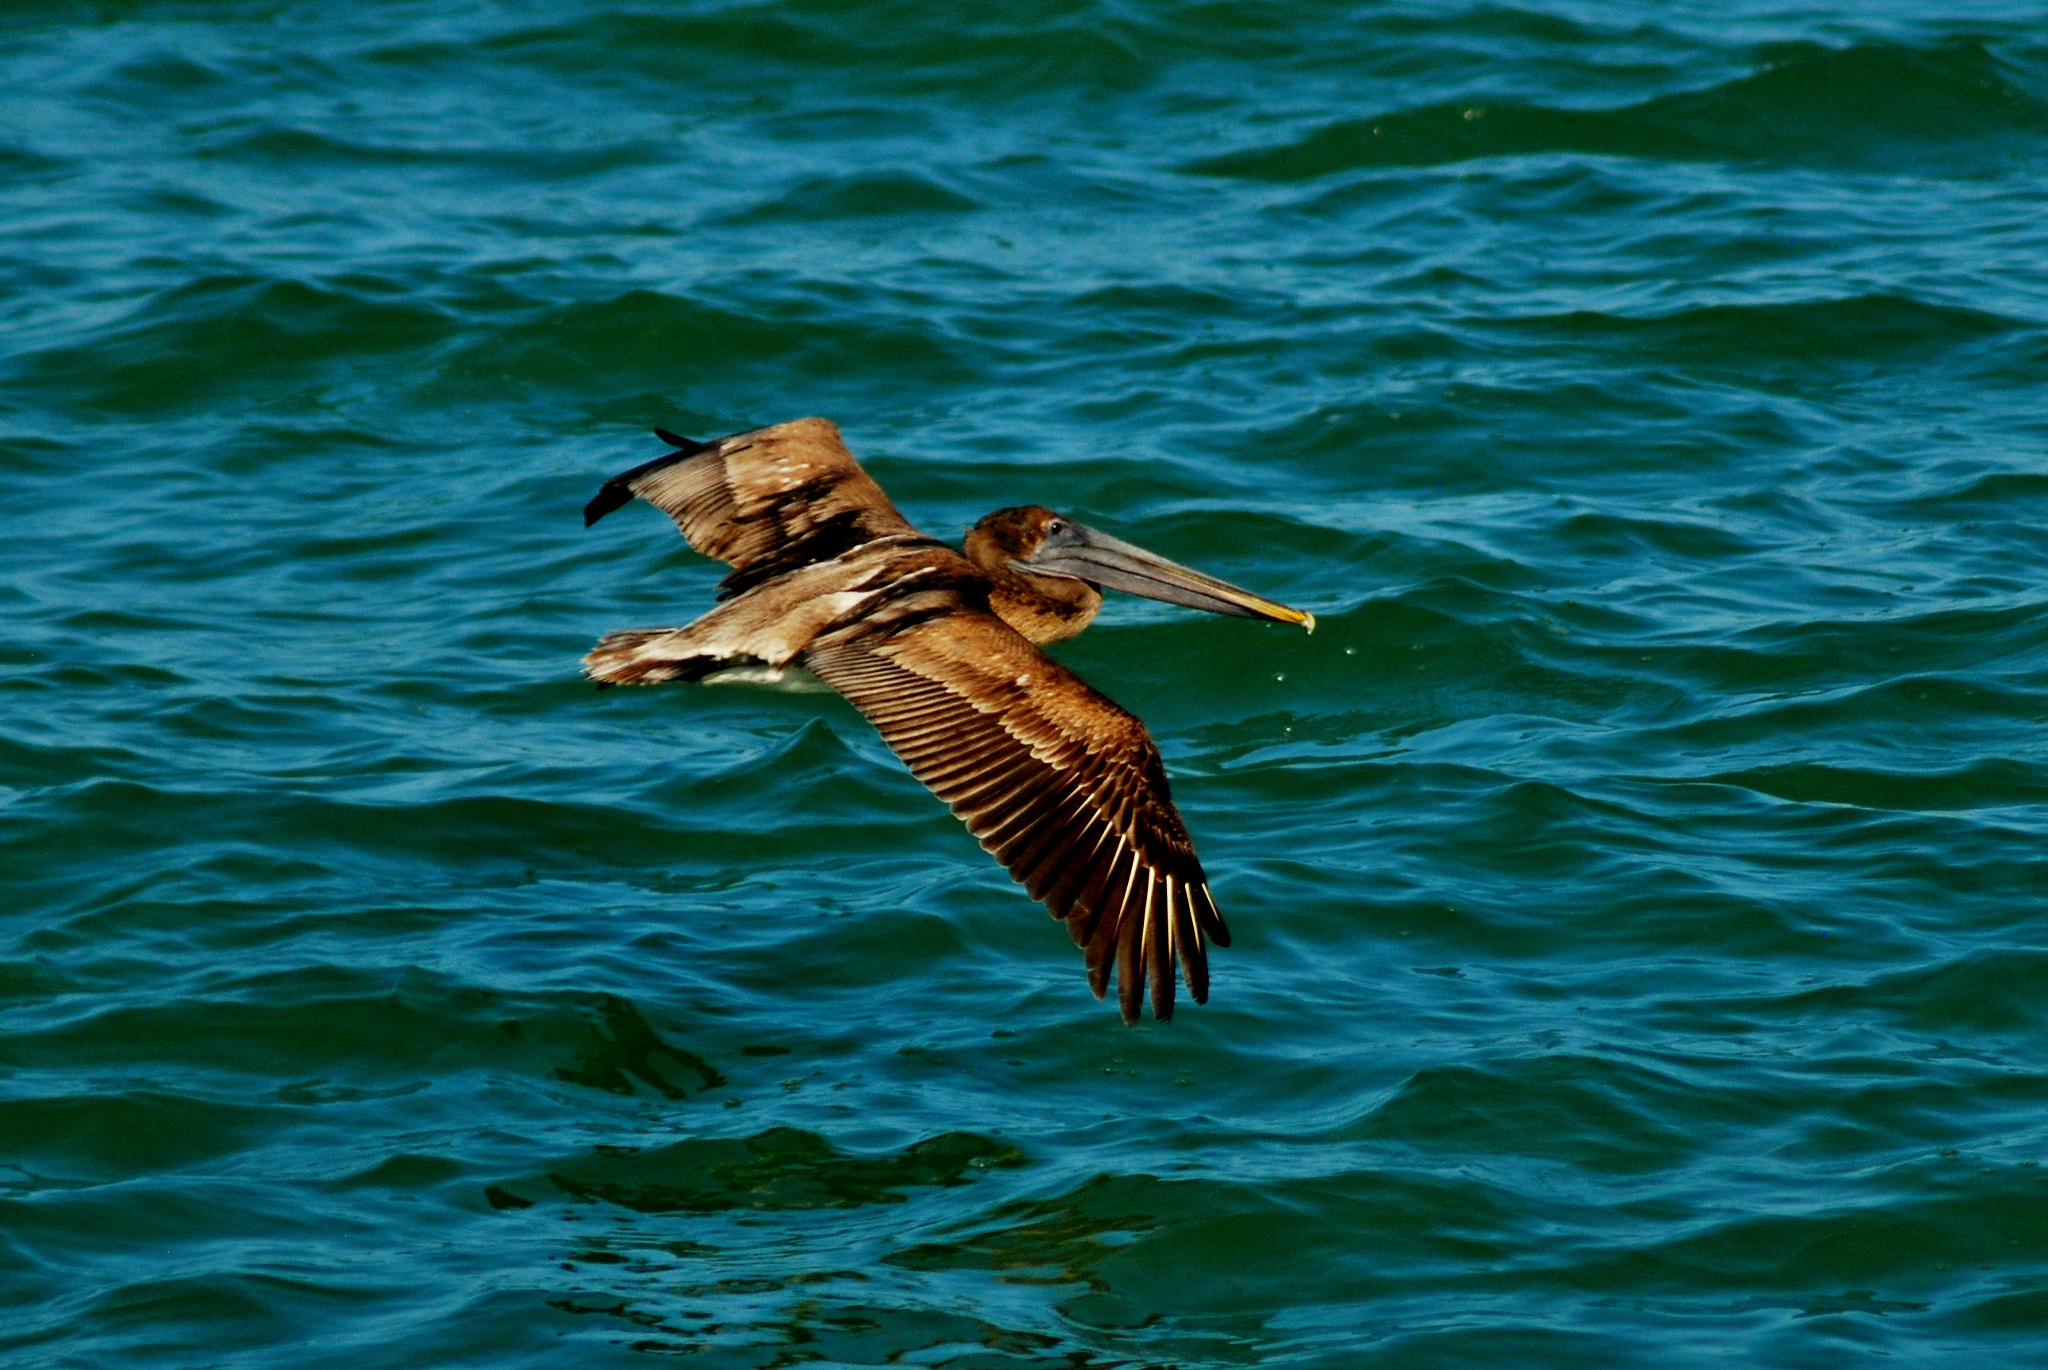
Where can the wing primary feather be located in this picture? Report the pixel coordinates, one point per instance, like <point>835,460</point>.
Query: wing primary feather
<point>1083,922</point>
<point>1005,846</point>
<point>1130,964</point>
<point>1098,978</point>
<point>1070,839</point>
<point>1159,944</point>
<point>1066,891</point>
<point>613,494</point>
<point>1002,799</point>
<point>1194,961</point>
<point>962,766</point>
<point>1218,931</point>
<point>618,492</point>
<point>1100,954</point>
<point>1099,893</point>
<point>1023,834</point>
<point>964,761</point>
<point>960,786</point>
<point>990,792</point>
<point>1130,970</point>
<point>1039,862</point>
<point>1036,799</point>
<point>1081,885</point>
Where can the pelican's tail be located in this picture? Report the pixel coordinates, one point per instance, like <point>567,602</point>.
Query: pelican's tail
<point>651,656</point>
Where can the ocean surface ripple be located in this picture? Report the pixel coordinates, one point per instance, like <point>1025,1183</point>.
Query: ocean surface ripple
<point>1639,879</point>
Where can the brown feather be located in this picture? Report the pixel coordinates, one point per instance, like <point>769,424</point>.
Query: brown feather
<point>1130,934</point>
<point>765,501</point>
<point>1194,961</point>
<point>1065,838</point>
<point>1061,785</point>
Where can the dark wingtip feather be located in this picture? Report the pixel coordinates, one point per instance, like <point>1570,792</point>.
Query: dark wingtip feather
<point>1219,931</point>
<point>1130,970</point>
<point>1187,939</point>
<point>615,494</point>
<point>690,446</point>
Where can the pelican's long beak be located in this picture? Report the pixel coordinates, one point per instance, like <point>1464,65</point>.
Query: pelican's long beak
<point>1079,552</point>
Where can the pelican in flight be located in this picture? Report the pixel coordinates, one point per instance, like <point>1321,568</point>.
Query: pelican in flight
<point>940,650</point>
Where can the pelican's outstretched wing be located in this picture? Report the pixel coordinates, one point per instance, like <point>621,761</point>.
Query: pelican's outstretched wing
<point>1060,784</point>
<point>764,502</point>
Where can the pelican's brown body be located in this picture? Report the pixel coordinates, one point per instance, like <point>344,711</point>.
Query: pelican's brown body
<point>940,650</point>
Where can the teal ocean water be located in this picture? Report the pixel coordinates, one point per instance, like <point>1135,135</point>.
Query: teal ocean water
<point>1638,880</point>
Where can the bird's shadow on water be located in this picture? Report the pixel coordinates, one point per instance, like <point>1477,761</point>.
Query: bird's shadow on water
<point>658,1243</point>
<point>714,1169</point>
<point>674,1273</point>
<point>778,1169</point>
<point>621,1048</point>
<point>653,1242</point>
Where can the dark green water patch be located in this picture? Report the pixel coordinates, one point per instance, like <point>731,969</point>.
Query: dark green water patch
<point>782,1169</point>
<point>104,1137</point>
<point>1875,106</point>
<point>645,340</point>
<point>231,337</point>
<point>857,197</point>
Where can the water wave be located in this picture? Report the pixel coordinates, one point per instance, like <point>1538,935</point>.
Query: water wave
<point>1878,107</point>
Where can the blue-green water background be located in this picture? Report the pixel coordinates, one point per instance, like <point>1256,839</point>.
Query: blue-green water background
<point>1641,907</point>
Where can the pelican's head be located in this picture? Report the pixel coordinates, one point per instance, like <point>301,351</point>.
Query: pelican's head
<point>1034,541</point>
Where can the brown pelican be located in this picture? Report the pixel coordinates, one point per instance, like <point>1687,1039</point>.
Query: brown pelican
<point>940,650</point>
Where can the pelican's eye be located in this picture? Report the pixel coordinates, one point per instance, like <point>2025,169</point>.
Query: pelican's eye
<point>1053,526</point>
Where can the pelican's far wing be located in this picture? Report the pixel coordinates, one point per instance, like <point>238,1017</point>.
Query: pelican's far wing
<point>1061,785</point>
<point>763,502</point>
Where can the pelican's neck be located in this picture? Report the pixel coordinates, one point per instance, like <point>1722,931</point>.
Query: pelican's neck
<point>1043,608</point>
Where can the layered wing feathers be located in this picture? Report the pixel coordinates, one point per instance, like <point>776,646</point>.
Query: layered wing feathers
<point>764,502</point>
<point>1059,784</point>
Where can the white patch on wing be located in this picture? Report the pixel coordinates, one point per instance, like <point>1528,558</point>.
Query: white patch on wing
<point>782,679</point>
